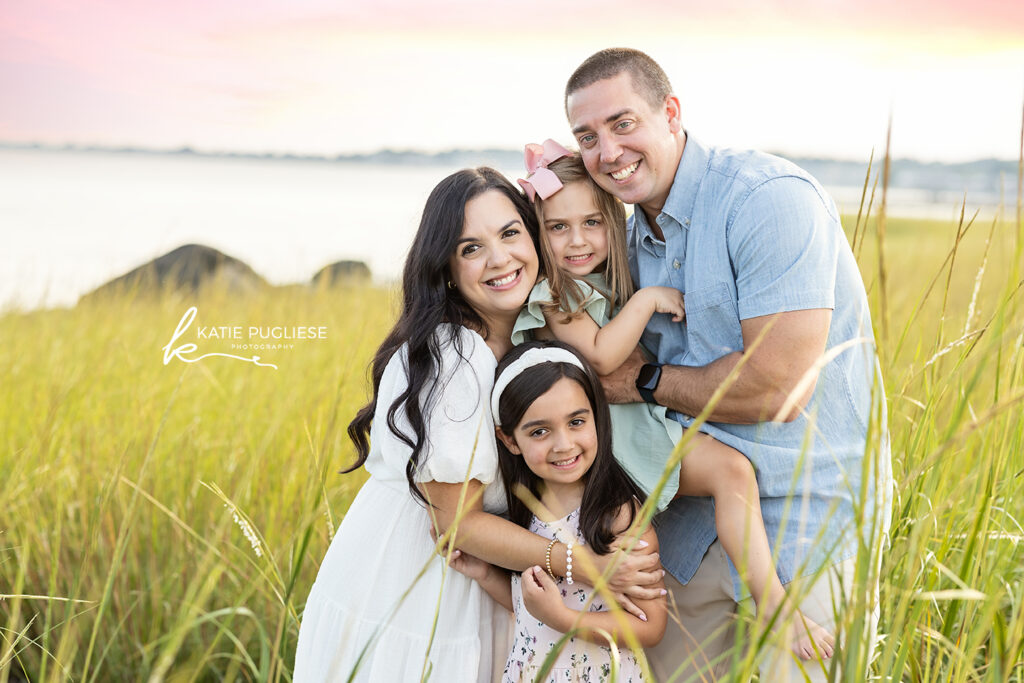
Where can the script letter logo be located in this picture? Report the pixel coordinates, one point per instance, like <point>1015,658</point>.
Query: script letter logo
<point>178,352</point>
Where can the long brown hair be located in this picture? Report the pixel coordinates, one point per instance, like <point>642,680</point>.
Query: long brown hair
<point>426,303</point>
<point>565,292</point>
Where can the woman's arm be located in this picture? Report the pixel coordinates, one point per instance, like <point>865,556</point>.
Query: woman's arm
<point>505,544</point>
<point>606,348</point>
<point>544,601</point>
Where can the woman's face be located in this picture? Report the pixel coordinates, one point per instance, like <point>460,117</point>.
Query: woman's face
<point>495,264</point>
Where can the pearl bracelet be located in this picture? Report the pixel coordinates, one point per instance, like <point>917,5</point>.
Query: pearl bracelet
<point>568,563</point>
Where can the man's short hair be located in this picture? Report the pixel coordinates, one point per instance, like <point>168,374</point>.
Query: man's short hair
<point>649,79</point>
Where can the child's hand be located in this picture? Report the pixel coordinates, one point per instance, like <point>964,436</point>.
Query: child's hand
<point>469,565</point>
<point>666,300</point>
<point>543,599</point>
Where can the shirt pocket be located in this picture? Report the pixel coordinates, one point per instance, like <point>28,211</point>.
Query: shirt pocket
<point>712,324</point>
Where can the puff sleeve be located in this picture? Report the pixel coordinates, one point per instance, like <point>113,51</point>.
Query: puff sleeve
<point>532,316</point>
<point>460,441</point>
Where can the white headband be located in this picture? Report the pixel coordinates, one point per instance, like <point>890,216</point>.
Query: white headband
<point>528,360</point>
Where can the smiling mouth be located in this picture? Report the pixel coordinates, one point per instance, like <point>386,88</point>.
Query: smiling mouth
<point>624,173</point>
<point>566,463</point>
<point>581,258</point>
<point>505,280</point>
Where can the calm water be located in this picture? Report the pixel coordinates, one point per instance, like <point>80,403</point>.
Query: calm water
<point>71,221</point>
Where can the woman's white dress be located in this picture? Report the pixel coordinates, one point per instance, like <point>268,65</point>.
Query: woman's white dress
<point>370,605</point>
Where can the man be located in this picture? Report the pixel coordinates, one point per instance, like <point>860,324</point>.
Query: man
<point>776,315</point>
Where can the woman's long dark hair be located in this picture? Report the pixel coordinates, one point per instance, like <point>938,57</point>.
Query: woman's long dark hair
<point>426,303</point>
<point>607,487</point>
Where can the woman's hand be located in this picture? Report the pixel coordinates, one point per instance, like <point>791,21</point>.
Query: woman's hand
<point>543,599</point>
<point>637,573</point>
<point>637,570</point>
<point>470,566</point>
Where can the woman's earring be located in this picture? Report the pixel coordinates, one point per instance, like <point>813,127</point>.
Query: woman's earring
<point>451,285</point>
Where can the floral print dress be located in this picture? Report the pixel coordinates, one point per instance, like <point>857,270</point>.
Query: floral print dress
<point>580,661</point>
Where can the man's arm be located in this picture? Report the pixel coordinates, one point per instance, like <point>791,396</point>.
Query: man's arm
<point>784,347</point>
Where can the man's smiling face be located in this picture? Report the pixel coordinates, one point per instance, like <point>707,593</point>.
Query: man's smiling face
<point>630,148</point>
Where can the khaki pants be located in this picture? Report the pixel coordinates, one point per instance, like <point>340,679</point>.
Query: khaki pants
<point>695,649</point>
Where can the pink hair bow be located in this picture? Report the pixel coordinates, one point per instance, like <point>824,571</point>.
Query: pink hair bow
<point>540,180</point>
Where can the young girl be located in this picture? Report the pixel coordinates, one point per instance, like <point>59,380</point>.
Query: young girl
<point>554,439</point>
<point>583,247</point>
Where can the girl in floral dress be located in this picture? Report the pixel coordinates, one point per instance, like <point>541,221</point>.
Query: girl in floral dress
<point>554,447</point>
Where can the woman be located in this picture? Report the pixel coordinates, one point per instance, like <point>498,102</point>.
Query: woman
<point>383,604</point>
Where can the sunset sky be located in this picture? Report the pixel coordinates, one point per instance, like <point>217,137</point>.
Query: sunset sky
<point>802,77</point>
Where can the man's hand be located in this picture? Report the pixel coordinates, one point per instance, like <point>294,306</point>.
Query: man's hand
<point>620,385</point>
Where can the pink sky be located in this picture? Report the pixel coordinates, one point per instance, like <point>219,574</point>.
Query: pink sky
<point>316,77</point>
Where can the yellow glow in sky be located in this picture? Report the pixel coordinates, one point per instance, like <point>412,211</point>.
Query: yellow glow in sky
<point>802,78</point>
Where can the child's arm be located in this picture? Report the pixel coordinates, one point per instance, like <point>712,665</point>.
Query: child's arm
<point>606,348</point>
<point>494,580</point>
<point>544,601</point>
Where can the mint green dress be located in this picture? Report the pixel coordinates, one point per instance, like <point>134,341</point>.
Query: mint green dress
<point>643,436</point>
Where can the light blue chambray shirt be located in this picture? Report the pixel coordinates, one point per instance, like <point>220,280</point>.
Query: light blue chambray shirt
<point>748,234</point>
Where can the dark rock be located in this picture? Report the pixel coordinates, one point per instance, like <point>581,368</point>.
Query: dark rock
<point>343,272</point>
<point>188,268</point>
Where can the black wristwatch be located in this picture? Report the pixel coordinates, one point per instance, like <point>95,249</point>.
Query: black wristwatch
<point>647,381</point>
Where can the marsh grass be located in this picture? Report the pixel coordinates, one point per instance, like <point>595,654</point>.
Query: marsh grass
<point>165,522</point>
<point>137,494</point>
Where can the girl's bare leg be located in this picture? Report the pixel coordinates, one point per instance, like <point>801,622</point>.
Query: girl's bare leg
<point>723,473</point>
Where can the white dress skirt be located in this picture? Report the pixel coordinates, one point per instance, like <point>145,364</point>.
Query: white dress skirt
<point>372,607</point>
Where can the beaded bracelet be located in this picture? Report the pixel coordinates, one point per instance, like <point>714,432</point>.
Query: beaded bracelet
<point>568,563</point>
<point>547,558</point>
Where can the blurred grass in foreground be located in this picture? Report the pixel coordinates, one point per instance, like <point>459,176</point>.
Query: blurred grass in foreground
<point>166,522</point>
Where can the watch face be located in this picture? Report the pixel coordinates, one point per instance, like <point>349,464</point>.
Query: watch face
<point>648,375</point>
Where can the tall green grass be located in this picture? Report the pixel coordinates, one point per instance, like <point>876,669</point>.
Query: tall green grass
<point>165,522</point>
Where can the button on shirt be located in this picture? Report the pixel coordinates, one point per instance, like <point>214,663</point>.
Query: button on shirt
<point>745,235</point>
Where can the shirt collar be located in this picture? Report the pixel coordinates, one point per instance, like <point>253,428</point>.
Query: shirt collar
<point>690,172</point>
<point>692,168</point>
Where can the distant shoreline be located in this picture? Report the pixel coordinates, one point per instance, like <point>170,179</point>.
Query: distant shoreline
<point>988,178</point>
<point>384,156</point>
<point>443,157</point>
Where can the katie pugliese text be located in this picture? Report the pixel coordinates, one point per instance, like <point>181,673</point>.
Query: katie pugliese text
<point>255,332</point>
